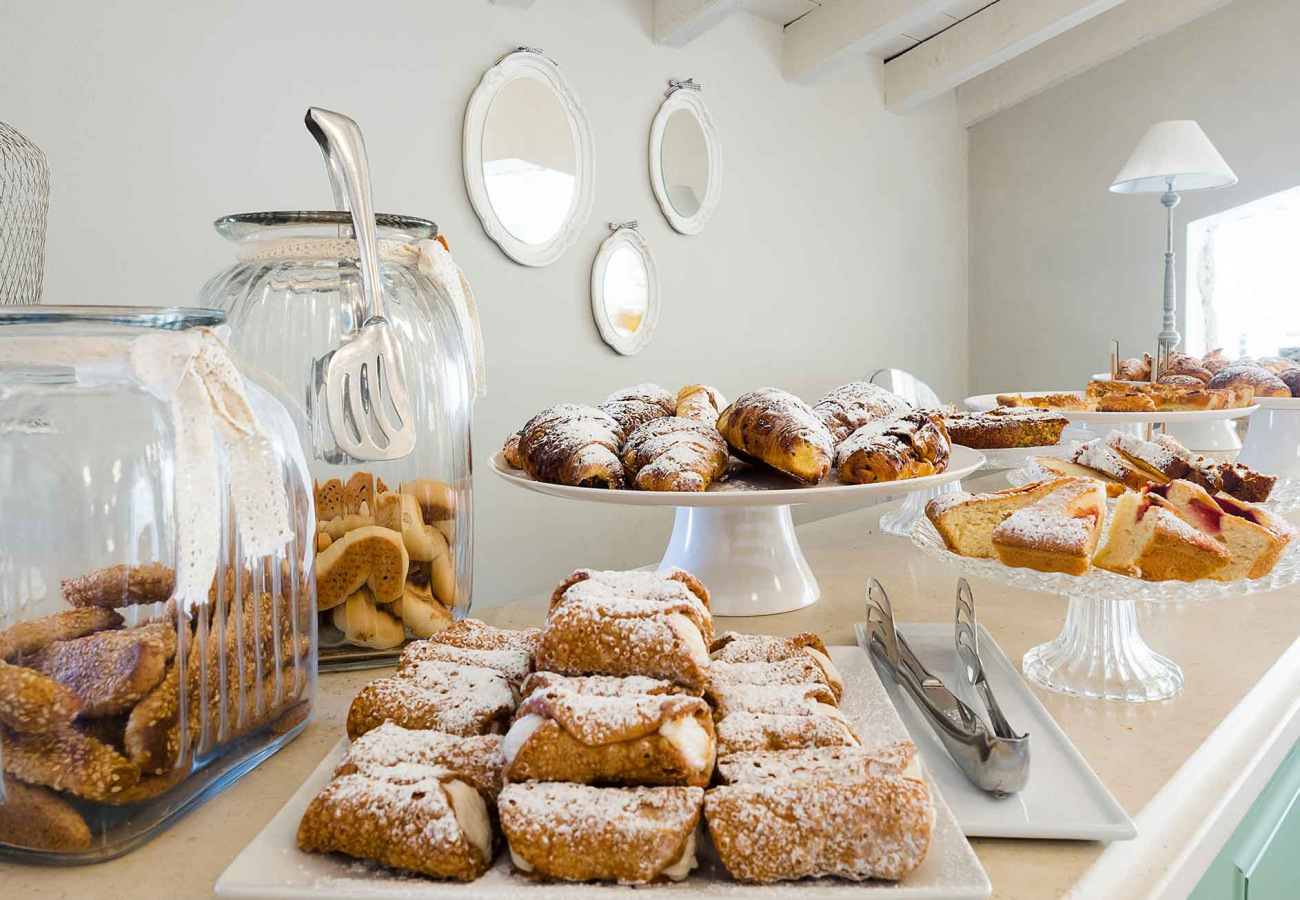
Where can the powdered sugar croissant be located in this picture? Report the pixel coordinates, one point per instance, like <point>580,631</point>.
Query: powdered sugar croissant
<point>570,444</point>
<point>675,454</point>
<point>780,430</point>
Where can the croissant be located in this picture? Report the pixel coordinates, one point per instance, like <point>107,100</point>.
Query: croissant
<point>632,407</point>
<point>701,403</point>
<point>850,406</point>
<point>907,446</point>
<point>675,454</point>
<point>779,429</point>
<point>570,444</point>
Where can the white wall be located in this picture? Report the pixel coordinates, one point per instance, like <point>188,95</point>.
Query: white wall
<point>839,245</point>
<point>1058,265</point>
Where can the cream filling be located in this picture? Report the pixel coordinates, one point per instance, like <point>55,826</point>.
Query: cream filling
<point>688,632</point>
<point>828,667</point>
<point>913,768</point>
<point>472,815</point>
<point>687,861</point>
<point>520,863</point>
<point>691,740</point>
<point>519,734</point>
<point>834,712</point>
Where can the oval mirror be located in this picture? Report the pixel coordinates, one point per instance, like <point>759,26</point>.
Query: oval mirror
<point>685,161</point>
<point>528,158</point>
<point>625,291</point>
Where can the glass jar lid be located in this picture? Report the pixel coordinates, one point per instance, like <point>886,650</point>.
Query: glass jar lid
<point>319,224</point>
<point>166,318</point>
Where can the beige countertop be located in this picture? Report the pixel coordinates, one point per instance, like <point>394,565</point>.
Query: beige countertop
<point>1225,650</point>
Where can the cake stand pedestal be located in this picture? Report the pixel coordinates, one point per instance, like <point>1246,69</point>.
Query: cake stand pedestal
<point>738,537</point>
<point>1100,653</point>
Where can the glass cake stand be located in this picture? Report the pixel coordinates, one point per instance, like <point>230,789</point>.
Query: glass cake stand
<point>738,536</point>
<point>1099,652</point>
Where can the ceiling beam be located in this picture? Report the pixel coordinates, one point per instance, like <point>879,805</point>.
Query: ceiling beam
<point>678,22</point>
<point>840,26</point>
<point>975,45</point>
<point>1078,50</point>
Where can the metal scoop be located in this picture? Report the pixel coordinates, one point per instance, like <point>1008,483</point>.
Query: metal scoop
<point>992,762</point>
<point>366,399</point>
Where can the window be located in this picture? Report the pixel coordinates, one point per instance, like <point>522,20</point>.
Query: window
<point>1243,279</point>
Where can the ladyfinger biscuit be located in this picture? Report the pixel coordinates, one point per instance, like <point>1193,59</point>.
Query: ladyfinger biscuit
<point>68,761</point>
<point>650,739</point>
<point>573,832</point>
<point>437,826</point>
<point>32,702</point>
<point>435,696</point>
<point>121,585</point>
<point>625,637</point>
<point>871,826</point>
<point>109,670</point>
<point>767,731</point>
<point>731,647</point>
<point>38,818</point>
<point>23,638</point>
<point>476,759</point>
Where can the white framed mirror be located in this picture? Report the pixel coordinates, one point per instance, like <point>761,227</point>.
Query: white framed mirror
<point>625,290</point>
<point>685,158</point>
<point>528,157</point>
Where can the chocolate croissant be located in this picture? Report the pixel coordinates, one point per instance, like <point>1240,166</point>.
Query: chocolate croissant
<point>850,406</point>
<point>675,454</point>
<point>909,446</point>
<point>633,406</point>
<point>780,430</point>
<point>570,444</point>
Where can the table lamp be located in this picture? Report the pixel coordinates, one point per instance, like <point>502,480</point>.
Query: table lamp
<point>1172,156</point>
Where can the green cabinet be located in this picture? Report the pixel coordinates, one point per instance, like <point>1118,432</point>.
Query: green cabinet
<point>1261,861</point>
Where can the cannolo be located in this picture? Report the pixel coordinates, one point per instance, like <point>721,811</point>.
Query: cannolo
<point>23,638</point>
<point>513,664</point>
<point>600,685</point>
<point>435,696</point>
<point>121,585</point>
<point>68,761</point>
<point>38,818</point>
<point>436,826</point>
<point>869,826</point>
<point>650,739</point>
<point>573,832</point>
<point>378,753</point>
<point>767,731</point>
<point>476,634</point>
<point>32,702</point>
<point>898,758</point>
<point>779,699</point>
<point>625,637</point>
<point>675,584</point>
<point>731,647</point>
<point>109,670</point>
<point>796,670</point>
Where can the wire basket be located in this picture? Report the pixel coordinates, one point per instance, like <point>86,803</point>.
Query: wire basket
<point>24,202</point>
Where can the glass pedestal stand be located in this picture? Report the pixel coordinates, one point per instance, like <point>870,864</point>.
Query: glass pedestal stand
<point>901,518</point>
<point>1099,652</point>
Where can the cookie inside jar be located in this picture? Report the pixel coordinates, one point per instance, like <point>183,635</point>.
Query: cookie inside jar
<point>386,564</point>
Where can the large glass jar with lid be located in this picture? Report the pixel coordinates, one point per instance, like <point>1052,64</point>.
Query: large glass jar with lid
<point>157,616</point>
<point>293,295</point>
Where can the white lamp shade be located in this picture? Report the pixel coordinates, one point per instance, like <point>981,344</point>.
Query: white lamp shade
<point>1176,155</point>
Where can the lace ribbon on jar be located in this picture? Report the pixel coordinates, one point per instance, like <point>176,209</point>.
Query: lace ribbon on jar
<point>193,374</point>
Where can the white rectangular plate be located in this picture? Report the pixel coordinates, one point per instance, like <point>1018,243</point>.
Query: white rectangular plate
<point>1064,798</point>
<point>272,867</point>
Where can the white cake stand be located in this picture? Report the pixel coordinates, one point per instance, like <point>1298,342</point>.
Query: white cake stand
<point>1099,652</point>
<point>738,537</point>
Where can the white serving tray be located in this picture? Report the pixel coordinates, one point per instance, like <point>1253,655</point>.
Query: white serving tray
<point>272,868</point>
<point>985,402</point>
<point>1064,798</point>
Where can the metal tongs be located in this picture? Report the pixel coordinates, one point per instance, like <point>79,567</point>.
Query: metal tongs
<point>996,762</point>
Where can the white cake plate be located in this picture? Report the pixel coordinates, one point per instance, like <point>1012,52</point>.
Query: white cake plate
<point>738,537</point>
<point>985,402</point>
<point>1099,652</point>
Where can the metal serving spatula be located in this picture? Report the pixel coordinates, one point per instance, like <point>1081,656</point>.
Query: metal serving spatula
<point>367,402</point>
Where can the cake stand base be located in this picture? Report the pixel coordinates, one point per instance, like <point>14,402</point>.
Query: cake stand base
<point>1100,654</point>
<point>748,557</point>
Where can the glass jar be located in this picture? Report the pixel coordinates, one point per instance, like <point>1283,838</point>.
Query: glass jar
<point>293,294</point>
<point>157,627</point>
